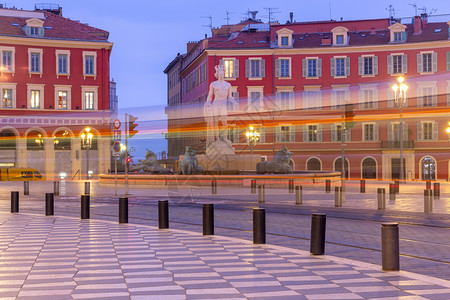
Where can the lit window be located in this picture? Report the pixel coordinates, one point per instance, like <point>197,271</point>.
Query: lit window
<point>427,130</point>
<point>7,98</point>
<point>62,100</point>
<point>369,131</point>
<point>89,100</point>
<point>229,67</point>
<point>35,99</point>
<point>312,133</point>
<point>285,133</point>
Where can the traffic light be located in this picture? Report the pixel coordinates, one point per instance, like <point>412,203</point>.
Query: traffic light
<point>128,160</point>
<point>132,125</point>
<point>348,115</point>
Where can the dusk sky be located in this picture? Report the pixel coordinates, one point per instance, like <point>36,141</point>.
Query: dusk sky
<point>148,34</point>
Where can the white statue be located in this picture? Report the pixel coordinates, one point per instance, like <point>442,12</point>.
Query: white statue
<point>215,110</point>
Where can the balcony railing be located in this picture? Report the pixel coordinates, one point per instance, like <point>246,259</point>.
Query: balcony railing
<point>396,144</point>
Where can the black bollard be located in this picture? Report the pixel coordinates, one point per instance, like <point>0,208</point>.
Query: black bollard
<point>390,251</point>
<point>49,204</point>
<point>87,188</point>
<point>85,206</point>
<point>328,186</point>
<point>253,186</point>
<point>428,185</point>
<point>214,187</point>
<point>381,198</point>
<point>362,186</point>
<point>427,201</point>
<point>337,196</point>
<point>391,192</point>
<point>208,219</point>
<point>14,202</point>
<point>123,210</point>
<point>291,186</point>
<point>259,226</point>
<point>298,194</point>
<point>261,194</point>
<point>26,187</point>
<point>436,190</point>
<point>318,225</point>
<point>56,188</point>
<point>163,214</point>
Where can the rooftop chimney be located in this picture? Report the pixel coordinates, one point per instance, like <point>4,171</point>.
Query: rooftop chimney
<point>291,16</point>
<point>417,25</point>
<point>372,30</point>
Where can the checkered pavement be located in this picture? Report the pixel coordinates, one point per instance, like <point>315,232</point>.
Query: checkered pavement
<point>68,258</point>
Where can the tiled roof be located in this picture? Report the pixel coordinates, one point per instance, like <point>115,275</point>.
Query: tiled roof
<point>245,40</point>
<point>56,27</point>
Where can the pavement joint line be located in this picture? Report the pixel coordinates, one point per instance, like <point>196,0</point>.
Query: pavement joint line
<point>339,260</point>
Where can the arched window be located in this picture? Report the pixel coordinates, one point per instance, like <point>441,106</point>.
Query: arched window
<point>369,168</point>
<point>338,166</point>
<point>7,140</point>
<point>35,140</point>
<point>313,164</point>
<point>428,168</point>
<point>62,140</point>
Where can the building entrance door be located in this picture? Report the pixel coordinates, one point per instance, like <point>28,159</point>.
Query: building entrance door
<point>395,168</point>
<point>428,169</point>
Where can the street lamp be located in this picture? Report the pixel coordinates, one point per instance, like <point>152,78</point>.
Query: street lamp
<point>86,143</point>
<point>448,131</point>
<point>252,137</point>
<point>400,98</point>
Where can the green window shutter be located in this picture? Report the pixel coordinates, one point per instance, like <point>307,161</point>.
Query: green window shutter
<point>360,65</point>
<point>419,131</point>
<point>27,30</point>
<point>405,63</point>
<point>375,65</point>
<point>236,68</point>
<point>263,68</point>
<point>277,68</point>
<point>333,66</point>
<point>278,134</point>
<point>419,62</point>
<point>404,36</point>
<point>319,133</point>
<point>435,131</point>
<point>292,133</point>
<point>247,68</point>
<point>375,132</point>
<point>41,31</point>
<point>319,67</point>
<point>389,64</point>
<point>434,59</point>
<point>305,65</point>
<point>347,66</point>
<point>333,133</point>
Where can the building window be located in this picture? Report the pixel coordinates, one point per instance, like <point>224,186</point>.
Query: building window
<point>368,97</point>
<point>339,96</point>
<point>312,133</point>
<point>89,62</point>
<point>427,65</point>
<point>426,62</point>
<point>312,68</point>
<point>369,132</point>
<point>229,67</point>
<point>312,99</point>
<point>339,39</point>
<point>397,64</point>
<point>284,68</point>
<point>368,65</point>
<point>255,68</point>
<point>7,63</point>
<point>427,131</point>
<point>284,41</point>
<point>62,64</point>
<point>35,99</point>
<point>34,31</point>
<point>427,98</point>
<point>89,100</point>
<point>340,66</point>
<point>337,132</point>
<point>397,36</point>
<point>233,133</point>
<point>7,98</point>
<point>255,100</point>
<point>35,65</point>
<point>284,100</point>
<point>62,100</point>
<point>285,134</point>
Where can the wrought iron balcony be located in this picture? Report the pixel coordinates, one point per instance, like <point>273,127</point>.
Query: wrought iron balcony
<point>409,144</point>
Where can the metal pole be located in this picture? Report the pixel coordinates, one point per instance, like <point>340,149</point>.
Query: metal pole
<point>15,202</point>
<point>115,176</point>
<point>163,214</point>
<point>401,139</point>
<point>87,160</point>
<point>87,188</point>
<point>298,194</point>
<point>327,185</point>
<point>85,203</point>
<point>214,187</point>
<point>208,219</point>
<point>338,196</point>
<point>253,186</point>
<point>49,204</point>
<point>390,251</point>
<point>391,192</point>
<point>436,190</point>
<point>428,202</point>
<point>259,226</point>
<point>26,187</point>
<point>318,226</point>
<point>126,154</point>
<point>343,162</point>
<point>428,184</point>
<point>291,186</point>
<point>56,188</point>
<point>381,198</point>
<point>261,194</point>
<point>123,210</point>
<point>362,186</point>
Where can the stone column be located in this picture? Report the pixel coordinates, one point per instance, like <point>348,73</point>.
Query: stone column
<point>49,158</point>
<point>21,153</point>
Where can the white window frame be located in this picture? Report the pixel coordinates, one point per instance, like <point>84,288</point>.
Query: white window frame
<point>41,58</point>
<point>40,88</point>
<point>361,94</point>
<point>290,67</point>
<point>397,28</point>
<point>233,71</point>
<point>283,33</point>
<point>90,53</point>
<point>285,89</point>
<point>339,88</point>
<point>13,60</point>
<point>340,30</point>
<point>375,132</point>
<point>10,86</point>
<point>86,88</point>
<point>306,137</point>
<point>66,88</point>
<point>434,62</point>
<point>307,68</point>
<point>361,67</point>
<point>335,132</point>
<point>434,131</point>
<point>250,70</point>
<point>421,85</point>
<point>62,52</point>
<point>305,95</point>
<point>259,89</point>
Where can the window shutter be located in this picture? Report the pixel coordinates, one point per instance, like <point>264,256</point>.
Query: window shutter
<point>236,68</point>
<point>277,68</point>
<point>375,65</point>
<point>448,60</point>
<point>319,133</point>
<point>278,100</point>
<point>435,131</point>
<point>348,135</point>
<point>404,36</point>
<point>361,97</point>
<point>305,65</point>
<point>27,30</point>
<point>419,131</point>
<point>420,97</point>
<point>405,64</point>
<point>292,133</point>
<point>434,97</point>
<point>360,65</point>
<point>333,66</point>
<point>405,131</point>
<point>390,132</point>
<point>389,64</point>
<point>347,66</point>
<point>41,31</point>
<point>375,132</point>
<point>236,134</point>
<point>333,133</point>
<point>305,133</point>
<point>278,134</point>
<point>263,68</point>
<point>419,62</point>
<point>291,100</point>
<point>319,67</point>
<point>262,134</point>
<point>434,58</point>
<point>247,68</point>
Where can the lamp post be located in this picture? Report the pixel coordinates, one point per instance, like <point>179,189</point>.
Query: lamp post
<point>448,131</point>
<point>86,143</point>
<point>252,137</point>
<point>400,98</point>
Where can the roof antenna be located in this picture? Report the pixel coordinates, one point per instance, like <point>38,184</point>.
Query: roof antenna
<point>228,16</point>
<point>271,11</point>
<point>329,5</point>
<point>415,8</point>
<point>391,10</point>
<point>210,22</point>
